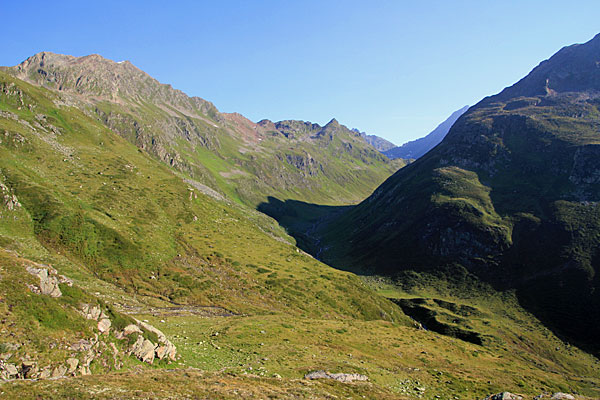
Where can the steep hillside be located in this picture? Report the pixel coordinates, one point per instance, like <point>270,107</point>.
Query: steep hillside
<point>510,194</point>
<point>237,158</point>
<point>417,148</point>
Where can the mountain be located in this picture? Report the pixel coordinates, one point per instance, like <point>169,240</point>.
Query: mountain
<point>417,148</point>
<point>134,264</point>
<point>379,143</point>
<point>231,155</point>
<point>510,196</point>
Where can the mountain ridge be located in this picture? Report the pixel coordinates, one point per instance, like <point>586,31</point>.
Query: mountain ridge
<point>418,147</point>
<point>509,194</point>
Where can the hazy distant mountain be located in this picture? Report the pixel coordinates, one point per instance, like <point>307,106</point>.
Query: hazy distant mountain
<point>417,148</point>
<point>379,143</point>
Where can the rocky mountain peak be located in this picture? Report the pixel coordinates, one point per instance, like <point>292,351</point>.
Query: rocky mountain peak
<point>574,68</point>
<point>104,79</point>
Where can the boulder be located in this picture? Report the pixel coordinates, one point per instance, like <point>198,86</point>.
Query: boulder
<point>48,282</point>
<point>143,349</point>
<point>166,347</point>
<point>504,396</point>
<point>59,371</point>
<point>104,325</point>
<point>562,396</point>
<point>72,364</point>
<point>91,312</point>
<point>10,371</point>
<point>28,369</point>
<point>129,329</point>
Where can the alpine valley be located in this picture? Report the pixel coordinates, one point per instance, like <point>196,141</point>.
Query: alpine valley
<point>154,247</point>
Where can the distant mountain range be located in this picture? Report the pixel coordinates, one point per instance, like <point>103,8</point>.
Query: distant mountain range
<point>379,143</point>
<point>417,148</point>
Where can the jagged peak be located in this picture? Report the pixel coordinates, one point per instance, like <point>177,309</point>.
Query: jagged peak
<point>333,122</point>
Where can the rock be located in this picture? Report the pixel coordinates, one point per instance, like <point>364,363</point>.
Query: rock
<point>11,370</point>
<point>504,396</point>
<point>91,312</point>
<point>345,378</point>
<point>562,396</point>
<point>104,325</point>
<point>48,282</point>
<point>59,371</point>
<point>72,364</point>
<point>81,345</point>
<point>129,329</point>
<point>28,369</point>
<point>45,374</point>
<point>170,349</point>
<point>144,349</point>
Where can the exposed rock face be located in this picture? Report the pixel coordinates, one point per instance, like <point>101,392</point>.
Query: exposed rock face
<point>341,377</point>
<point>48,282</point>
<point>144,349</point>
<point>165,347</point>
<point>10,200</point>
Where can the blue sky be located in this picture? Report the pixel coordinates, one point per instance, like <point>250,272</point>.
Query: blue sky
<point>391,68</point>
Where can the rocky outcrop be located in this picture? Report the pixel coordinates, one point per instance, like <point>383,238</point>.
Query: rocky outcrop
<point>341,377</point>
<point>504,396</point>
<point>9,199</point>
<point>49,280</point>
<point>146,350</point>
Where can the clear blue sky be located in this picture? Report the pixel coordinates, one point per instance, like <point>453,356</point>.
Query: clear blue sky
<point>391,68</point>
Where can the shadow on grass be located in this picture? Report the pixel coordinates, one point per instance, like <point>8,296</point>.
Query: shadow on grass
<point>303,221</point>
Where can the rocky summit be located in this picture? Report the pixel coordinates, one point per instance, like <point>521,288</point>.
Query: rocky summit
<point>152,246</point>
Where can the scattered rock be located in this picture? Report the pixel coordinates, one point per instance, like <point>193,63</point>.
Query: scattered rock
<point>81,345</point>
<point>504,396</point>
<point>345,378</point>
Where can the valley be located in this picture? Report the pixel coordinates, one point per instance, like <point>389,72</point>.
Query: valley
<point>154,247</point>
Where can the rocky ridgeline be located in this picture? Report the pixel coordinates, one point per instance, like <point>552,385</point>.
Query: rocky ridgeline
<point>102,348</point>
